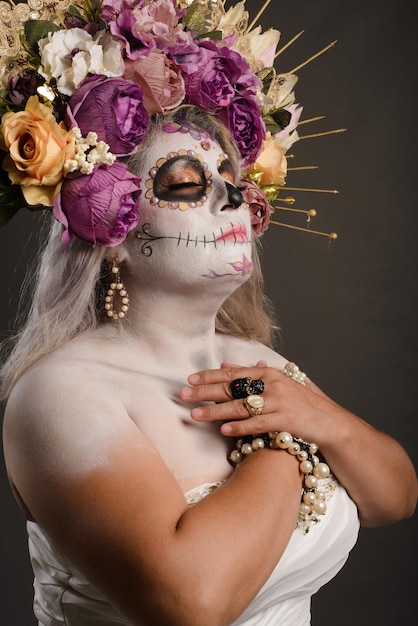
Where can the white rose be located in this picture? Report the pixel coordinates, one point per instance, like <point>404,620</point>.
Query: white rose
<point>70,55</point>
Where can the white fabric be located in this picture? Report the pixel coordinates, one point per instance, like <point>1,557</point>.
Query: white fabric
<point>64,598</point>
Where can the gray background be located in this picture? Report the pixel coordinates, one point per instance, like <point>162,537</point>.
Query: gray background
<point>348,311</point>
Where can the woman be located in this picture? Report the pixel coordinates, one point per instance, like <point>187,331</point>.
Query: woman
<point>101,458</point>
<point>145,357</point>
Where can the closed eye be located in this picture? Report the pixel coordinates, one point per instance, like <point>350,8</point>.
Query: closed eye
<point>185,185</point>
<point>181,178</point>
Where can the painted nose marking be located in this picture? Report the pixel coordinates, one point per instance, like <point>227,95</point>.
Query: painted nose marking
<point>235,197</point>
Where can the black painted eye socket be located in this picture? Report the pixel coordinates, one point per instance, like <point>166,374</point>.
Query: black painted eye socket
<point>181,178</point>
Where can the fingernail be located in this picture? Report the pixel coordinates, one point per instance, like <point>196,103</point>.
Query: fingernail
<point>196,413</point>
<point>194,378</point>
<point>186,392</point>
<point>226,429</point>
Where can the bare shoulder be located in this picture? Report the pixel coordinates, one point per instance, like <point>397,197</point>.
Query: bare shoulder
<point>66,416</point>
<point>248,352</point>
<point>61,382</point>
<point>82,469</point>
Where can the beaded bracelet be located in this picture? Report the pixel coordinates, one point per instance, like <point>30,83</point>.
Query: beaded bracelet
<point>313,500</point>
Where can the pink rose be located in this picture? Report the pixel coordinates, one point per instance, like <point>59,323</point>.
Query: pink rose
<point>258,205</point>
<point>99,208</point>
<point>160,79</point>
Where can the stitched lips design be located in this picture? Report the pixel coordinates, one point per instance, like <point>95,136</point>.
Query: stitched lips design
<point>236,234</point>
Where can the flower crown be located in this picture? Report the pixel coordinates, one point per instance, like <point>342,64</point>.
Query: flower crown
<point>80,81</point>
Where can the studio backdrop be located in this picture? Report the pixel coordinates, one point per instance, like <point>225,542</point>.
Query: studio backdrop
<point>347,308</point>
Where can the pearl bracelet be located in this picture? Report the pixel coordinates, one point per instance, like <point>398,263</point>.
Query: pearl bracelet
<point>313,500</point>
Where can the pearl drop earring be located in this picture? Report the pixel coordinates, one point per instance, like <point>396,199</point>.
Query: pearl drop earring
<point>116,287</point>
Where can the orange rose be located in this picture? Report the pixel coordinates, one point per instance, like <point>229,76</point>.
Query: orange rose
<point>270,167</point>
<point>38,148</point>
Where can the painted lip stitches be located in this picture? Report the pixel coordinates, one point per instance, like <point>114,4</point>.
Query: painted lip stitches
<point>236,234</point>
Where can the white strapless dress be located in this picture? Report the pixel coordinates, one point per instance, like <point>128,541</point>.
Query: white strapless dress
<point>63,597</point>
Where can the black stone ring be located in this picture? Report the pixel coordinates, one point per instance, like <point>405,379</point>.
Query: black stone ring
<point>243,387</point>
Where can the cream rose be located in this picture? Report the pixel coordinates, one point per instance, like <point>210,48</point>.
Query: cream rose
<point>38,148</point>
<point>270,167</point>
<point>70,55</point>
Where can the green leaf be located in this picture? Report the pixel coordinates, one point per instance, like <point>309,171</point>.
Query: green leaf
<point>72,10</point>
<point>213,34</point>
<point>36,30</point>
<point>271,125</point>
<point>195,19</point>
<point>281,117</point>
<point>195,16</point>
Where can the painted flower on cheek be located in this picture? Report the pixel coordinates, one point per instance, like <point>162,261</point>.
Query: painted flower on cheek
<point>114,108</point>
<point>244,267</point>
<point>38,148</point>
<point>259,207</point>
<point>160,79</point>
<point>101,208</point>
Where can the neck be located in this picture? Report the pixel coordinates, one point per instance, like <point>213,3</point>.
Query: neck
<point>175,329</point>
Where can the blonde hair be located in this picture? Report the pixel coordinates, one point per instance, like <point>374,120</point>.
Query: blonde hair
<point>70,283</point>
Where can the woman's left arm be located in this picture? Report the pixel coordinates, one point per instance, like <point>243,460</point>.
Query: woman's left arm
<point>373,467</point>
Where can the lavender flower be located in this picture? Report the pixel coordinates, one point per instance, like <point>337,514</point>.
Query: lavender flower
<point>114,108</point>
<point>100,208</point>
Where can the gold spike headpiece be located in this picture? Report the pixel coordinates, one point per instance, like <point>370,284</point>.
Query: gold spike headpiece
<point>54,55</point>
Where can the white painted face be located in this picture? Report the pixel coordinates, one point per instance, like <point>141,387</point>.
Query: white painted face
<point>194,225</point>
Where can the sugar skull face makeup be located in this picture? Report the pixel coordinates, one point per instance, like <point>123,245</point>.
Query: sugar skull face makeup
<point>182,179</point>
<point>192,216</point>
<point>179,181</point>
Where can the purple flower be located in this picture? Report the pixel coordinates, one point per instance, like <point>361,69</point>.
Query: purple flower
<point>218,79</point>
<point>190,57</point>
<point>21,87</point>
<point>100,208</point>
<point>119,15</point>
<point>72,21</point>
<point>143,25</point>
<point>114,109</point>
<point>244,119</point>
<point>258,205</point>
<point>220,74</point>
